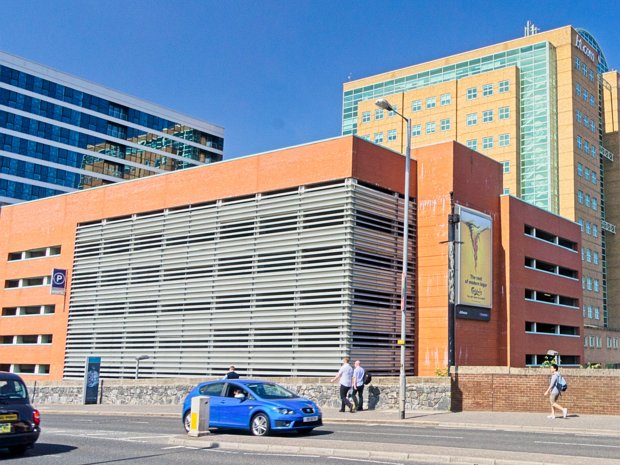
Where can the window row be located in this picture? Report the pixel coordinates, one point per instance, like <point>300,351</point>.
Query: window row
<point>30,310</point>
<point>589,256</point>
<point>488,142</point>
<point>488,90</point>
<point>26,339</point>
<point>583,93</point>
<point>546,328</point>
<point>591,312</point>
<point>549,298</point>
<point>488,116</point>
<point>612,343</point>
<point>34,253</point>
<point>27,282</point>
<point>587,122</point>
<point>587,147</point>
<point>589,228</point>
<point>587,200</point>
<point>548,237</point>
<point>541,265</point>
<point>586,173</point>
<point>25,368</point>
<point>585,70</point>
<point>539,359</point>
<point>590,284</point>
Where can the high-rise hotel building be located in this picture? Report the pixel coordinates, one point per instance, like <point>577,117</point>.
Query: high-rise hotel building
<point>546,107</point>
<point>59,133</point>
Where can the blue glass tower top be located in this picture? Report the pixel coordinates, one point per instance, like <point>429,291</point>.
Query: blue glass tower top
<point>59,133</point>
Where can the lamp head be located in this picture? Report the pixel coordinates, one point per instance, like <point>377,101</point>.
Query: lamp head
<point>384,104</point>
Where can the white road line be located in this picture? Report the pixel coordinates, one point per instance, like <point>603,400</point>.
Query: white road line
<point>367,461</point>
<point>173,447</point>
<point>280,455</point>
<point>407,435</point>
<point>576,444</point>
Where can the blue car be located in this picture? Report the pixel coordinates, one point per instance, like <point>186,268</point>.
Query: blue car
<point>257,406</point>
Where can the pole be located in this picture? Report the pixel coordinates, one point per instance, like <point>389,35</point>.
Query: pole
<point>403,288</point>
<point>452,220</point>
<point>137,367</point>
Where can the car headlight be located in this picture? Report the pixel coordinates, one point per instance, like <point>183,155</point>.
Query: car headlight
<point>284,411</point>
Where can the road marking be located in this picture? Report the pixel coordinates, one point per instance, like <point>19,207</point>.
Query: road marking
<point>173,447</point>
<point>152,436</point>
<point>367,461</point>
<point>139,422</point>
<point>577,444</point>
<point>407,435</point>
<point>281,455</point>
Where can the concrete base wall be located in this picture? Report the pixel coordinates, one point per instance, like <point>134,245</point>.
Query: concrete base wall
<point>501,389</point>
<point>382,393</point>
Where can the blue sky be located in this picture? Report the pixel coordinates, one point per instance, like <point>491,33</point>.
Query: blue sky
<point>270,71</point>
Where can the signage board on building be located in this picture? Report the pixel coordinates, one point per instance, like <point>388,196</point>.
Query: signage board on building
<point>59,281</point>
<point>474,267</point>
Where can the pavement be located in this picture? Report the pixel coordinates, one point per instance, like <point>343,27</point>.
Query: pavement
<point>574,424</point>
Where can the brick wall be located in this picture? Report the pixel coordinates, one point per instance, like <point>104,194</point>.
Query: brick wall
<point>595,392</point>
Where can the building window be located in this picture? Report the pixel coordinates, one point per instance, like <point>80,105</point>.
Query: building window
<point>487,142</point>
<point>594,203</point>
<point>504,86</point>
<point>588,255</point>
<point>416,105</point>
<point>587,174</point>
<point>577,63</point>
<point>588,227</point>
<point>445,124</point>
<point>431,102</point>
<point>378,114</point>
<point>504,140</point>
<point>596,288</point>
<point>595,258</point>
<point>579,169</point>
<point>472,93</point>
<point>595,230</point>
<point>586,121</point>
<point>506,190</point>
<point>505,166</point>
<point>366,137</point>
<point>472,119</point>
<point>578,116</point>
<point>472,144</point>
<point>584,69</point>
<point>416,130</point>
<point>586,146</point>
<point>445,99</point>
<point>592,126</point>
<point>487,90</point>
<point>504,113</point>
<point>578,89</point>
<point>487,116</point>
<point>592,103</point>
<point>392,112</point>
<point>430,127</point>
<point>585,95</point>
<point>587,202</point>
<point>366,117</point>
<point>392,135</point>
<point>589,284</point>
<point>593,151</point>
<point>378,138</point>
<point>579,142</point>
<point>591,75</point>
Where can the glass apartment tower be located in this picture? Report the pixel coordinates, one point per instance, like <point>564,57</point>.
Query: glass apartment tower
<point>59,133</point>
<point>546,107</point>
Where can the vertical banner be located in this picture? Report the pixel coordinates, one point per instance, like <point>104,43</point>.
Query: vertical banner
<point>474,272</point>
<point>91,380</point>
<point>59,281</point>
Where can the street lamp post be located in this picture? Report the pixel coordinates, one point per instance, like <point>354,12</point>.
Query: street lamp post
<point>385,105</point>
<point>138,358</point>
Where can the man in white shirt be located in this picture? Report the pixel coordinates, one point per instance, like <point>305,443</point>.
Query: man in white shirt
<point>345,375</point>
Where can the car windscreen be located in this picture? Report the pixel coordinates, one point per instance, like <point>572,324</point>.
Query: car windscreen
<point>13,391</point>
<point>271,391</point>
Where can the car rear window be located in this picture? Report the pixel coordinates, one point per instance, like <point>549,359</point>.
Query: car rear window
<point>13,391</point>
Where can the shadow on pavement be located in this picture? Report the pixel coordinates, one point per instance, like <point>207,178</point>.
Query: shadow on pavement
<point>41,449</point>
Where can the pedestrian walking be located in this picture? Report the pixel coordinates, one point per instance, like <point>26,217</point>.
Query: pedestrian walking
<point>345,376</point>
<point>232,374</point>
<point>358,386</point>
<point>553,391</point>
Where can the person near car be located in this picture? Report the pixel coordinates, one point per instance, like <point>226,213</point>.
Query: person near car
<point>553,391</point>
<point>358,386</point>
<point>345,376</point>
<point>239,394</point>
<point>232,374</point>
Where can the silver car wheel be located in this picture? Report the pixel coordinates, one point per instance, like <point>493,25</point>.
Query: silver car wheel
<point>260,425</point>
<point>187,421</point>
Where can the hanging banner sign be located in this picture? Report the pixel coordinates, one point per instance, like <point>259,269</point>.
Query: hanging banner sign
<point>59,282</point>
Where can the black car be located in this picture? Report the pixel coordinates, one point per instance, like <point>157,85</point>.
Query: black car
<point>19,421</point>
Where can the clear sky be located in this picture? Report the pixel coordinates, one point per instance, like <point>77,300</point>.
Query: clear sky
<point>270,71</point>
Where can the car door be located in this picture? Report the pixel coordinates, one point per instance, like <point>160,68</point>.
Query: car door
<point>235,412</point>
<point>214,391</point>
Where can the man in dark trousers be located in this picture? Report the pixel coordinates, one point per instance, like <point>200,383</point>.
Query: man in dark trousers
<point>232,374</point>
<point>358,386</point>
